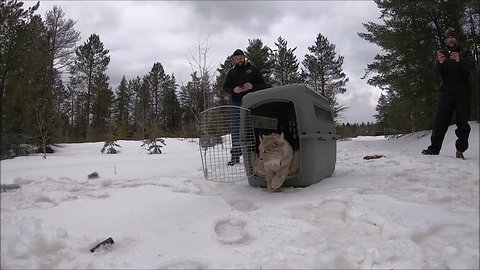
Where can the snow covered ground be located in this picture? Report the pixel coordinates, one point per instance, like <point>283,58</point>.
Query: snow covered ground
<point>405,210</point>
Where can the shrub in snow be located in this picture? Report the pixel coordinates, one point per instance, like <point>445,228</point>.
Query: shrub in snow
<point>153,146</point>
<point>93,175</point>
<point>8,154</point>
<point>8,187</point>
<point>48,149</point>
<point>17,150</point>
<point>110,147</point>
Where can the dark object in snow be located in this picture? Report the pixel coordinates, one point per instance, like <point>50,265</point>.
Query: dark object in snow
<point>48,149</point>
<point>104,242</point>
<point>373,157</point>
<point>93,175</point>
<point>8,187</point>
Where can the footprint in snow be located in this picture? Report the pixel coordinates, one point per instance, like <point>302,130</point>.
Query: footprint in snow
<point>232,231</point>
<point>181,263</point>
<point>242,205</point>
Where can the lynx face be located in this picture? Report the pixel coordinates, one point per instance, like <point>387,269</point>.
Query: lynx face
<point>275,151</point>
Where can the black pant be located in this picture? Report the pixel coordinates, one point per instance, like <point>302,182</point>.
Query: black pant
<point>236,151</point>
<point>459,101</point>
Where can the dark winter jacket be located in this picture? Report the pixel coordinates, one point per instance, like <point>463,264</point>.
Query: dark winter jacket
<point>455,75</point>
<point>239,75</point>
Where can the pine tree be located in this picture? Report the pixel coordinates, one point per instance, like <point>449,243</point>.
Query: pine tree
<point>153,146</point>
<point>61,109</point>
<point>133,86</point>
<point>143,111</point>
<point>382,109</point>
<point>261,56</point>
<point>25,98</point>
<point>102,105</point>
<point>39,92</point>
<point>410,36</point>
<point>324,73</point>
<point>110,145</point>
<point>285,64</point>
<point>89,67</point>
<point>122,108</point>
<point>75,105</point>
<point>171,106</point>
<point>471,28</point>
<point>191,102</point>
<point>156,80</point>
<point>61,38</point>
<point>220,97</point>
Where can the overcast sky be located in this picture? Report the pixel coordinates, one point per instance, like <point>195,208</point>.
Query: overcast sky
<point>141,33</point>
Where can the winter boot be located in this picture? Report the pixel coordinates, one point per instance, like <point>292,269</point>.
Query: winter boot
<point>460,155</point>
<point>428,152</point>
<point>233,161</point>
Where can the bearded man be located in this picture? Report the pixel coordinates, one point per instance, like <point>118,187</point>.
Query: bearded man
<point>242,79</point>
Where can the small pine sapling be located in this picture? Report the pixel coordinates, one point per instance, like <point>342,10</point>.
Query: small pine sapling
<point>110,147</point>
<point>153,146</point>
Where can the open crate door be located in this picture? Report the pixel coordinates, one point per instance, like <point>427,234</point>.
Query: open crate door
<point>216,145</point>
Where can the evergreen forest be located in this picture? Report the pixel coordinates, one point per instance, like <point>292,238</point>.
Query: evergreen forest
<point>55,89</point>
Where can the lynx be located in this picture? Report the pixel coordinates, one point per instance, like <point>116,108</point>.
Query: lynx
<point>292,172</point>
<point>274,160</point>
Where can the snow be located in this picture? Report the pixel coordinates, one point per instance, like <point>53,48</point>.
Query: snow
<point>404,210</point>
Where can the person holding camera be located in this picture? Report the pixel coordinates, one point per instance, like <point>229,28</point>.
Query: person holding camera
<point>454,66</point>
<point>242,79</point>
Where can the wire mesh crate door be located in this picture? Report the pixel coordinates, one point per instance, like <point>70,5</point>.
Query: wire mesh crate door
<point>226,133</point>
<point>247,139</point>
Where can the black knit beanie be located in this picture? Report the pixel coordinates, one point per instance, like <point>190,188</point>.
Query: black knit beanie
<point>451,32</point>
<point>238,52</point>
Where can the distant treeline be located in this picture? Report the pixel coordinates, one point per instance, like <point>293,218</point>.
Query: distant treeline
<point>54,90</point>
<point>347,130</point>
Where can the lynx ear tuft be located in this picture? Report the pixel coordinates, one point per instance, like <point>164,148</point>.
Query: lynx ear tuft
<point>281,136</point>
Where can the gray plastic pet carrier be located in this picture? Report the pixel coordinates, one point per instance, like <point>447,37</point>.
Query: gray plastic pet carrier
<point>303,116</point>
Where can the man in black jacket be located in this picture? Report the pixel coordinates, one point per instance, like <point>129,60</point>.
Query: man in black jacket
<point>454,66</point>
<point>242,79</point>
